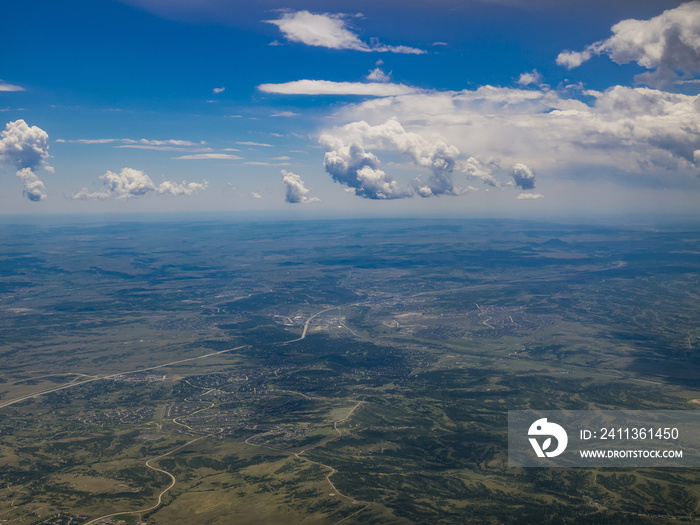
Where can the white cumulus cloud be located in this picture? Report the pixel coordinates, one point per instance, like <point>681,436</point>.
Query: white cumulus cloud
<point>530,77</point>
<point>26,149</point>
<point>331,31</point>
<point>181,188</point>
<point>33,187</point>
<point>523,176</point>
<point>377,75</point>
<point>667,44</point>
<point>475,168</point>
<point>24,146</point>
<point>359,170</point>
<point>348,162</point>
<point>295,190</point>
<point>130,183</point>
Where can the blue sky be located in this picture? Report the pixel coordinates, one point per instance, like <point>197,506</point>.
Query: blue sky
<point>357,108</point>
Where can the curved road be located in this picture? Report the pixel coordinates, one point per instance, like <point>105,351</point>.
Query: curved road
<point>173,481</point>
<point>160,496</point>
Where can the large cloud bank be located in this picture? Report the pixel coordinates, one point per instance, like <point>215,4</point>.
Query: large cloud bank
<point>27,149</point>
<point>349,162</point>
<point>668,45</point>
<point>130,183</point>
<point>621,131</point>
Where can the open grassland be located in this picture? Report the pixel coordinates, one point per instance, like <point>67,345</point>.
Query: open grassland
<point>334,372</point>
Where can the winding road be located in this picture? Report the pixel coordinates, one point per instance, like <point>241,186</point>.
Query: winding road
<point>75,382</point>
<point>163,492</point>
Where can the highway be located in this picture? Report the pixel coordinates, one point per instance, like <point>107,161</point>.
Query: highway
<point>110,376</point>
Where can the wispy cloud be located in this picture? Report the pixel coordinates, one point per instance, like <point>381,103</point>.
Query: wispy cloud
<point>327,87</point>
<point>88,141</point>
<point>205,156</point>
<point>146,144</point>
<point>161,148</point>
<point>255,144</point>
<point>9,87</point>
<point>330,30</point>
<point>219,90</point>
<point>284,114</point>
<point>260,163</point>
<point>135,142</point>
<point>529,196</point>
<point>170,142</point>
